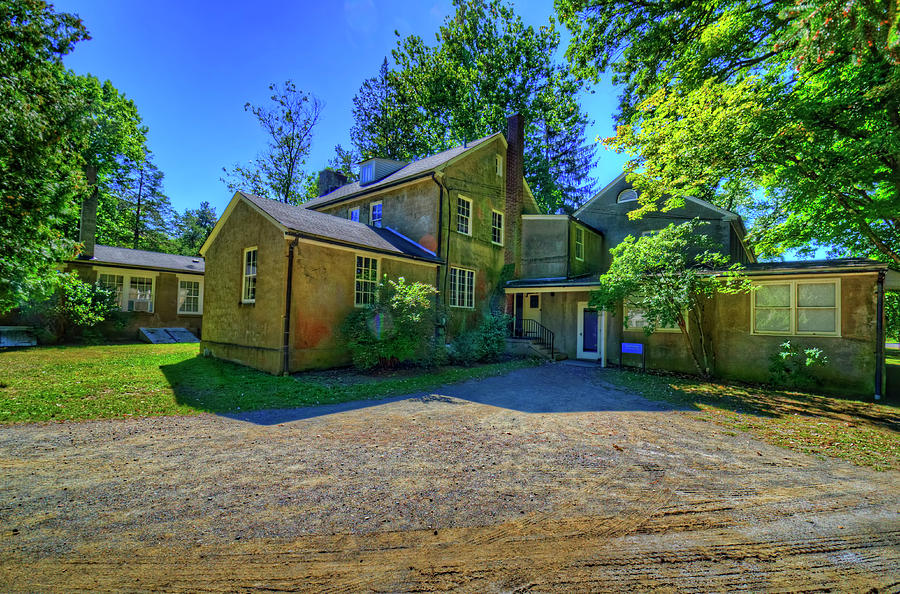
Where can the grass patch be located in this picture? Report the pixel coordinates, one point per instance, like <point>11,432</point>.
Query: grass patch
<point>100,382</point>
<point>863,433</point>
<point>892,356</point>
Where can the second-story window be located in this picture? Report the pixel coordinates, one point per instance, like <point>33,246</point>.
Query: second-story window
<point>497,227</point>
<point>375,214</point>
<point>464,215</point>
<point>499,161</point>
<point>579,243</point>
<point>354,214</point>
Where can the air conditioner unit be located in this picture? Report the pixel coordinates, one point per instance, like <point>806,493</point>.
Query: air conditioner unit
<point>139,305</point>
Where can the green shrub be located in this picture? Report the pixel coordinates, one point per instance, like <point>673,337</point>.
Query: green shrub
<point>75,306</point>
<point>792,365</point>
<point>393,329</point>
<point>485,343</point>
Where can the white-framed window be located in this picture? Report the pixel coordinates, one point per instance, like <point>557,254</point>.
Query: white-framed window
<point>113,282</point>
<point>375,214</point>
<point>497,227</point>
<point>579,244</point>
<point>635,318</point>
<point>801,307</point>
<point>462,288</point>
<point>135,289</point>
<point>628,195</point>
<point>248,286</point>
<point>499,165</point>
<point>366,279</point>
<point>464,215</point>
<point>354,214</point>
<point>190,295</point>
<point>367,173</point>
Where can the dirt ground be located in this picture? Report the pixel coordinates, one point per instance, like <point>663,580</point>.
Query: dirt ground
<point>438,493</point>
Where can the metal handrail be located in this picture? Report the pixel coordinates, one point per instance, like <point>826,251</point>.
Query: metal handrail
<point>534,330</point>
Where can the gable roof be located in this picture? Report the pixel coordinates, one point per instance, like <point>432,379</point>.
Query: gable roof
<point>327,228</point>
<point>119,256</point>
<point>726,214</point>
<point>411,171</point>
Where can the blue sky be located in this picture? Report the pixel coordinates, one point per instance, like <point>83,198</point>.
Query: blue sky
<point>190,66</point>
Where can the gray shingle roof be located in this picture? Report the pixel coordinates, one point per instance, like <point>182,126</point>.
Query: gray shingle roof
<point>105,254</point>
<point>411,170</point>
<point>337,230</point>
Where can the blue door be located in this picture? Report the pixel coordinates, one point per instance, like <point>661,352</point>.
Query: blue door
<point>589,336</point>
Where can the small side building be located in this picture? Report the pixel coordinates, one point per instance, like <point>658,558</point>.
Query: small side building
<point>159,290</point>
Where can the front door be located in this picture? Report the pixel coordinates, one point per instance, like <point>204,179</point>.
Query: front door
<point>532,307</point>
<point>588,332</point>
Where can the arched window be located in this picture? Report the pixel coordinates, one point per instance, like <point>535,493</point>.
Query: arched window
<point>628,195</point>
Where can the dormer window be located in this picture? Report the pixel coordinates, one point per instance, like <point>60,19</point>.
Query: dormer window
<point>628,195</point>
<point>367,173</point>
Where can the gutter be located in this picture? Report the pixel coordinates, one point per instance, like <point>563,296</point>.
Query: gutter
<point>286,343</point>
<point>356,246</point>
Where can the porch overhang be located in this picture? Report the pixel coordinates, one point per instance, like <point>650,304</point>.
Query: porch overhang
<point>554,285</point>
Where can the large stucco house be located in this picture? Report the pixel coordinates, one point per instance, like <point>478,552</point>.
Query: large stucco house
<point>281,279</point>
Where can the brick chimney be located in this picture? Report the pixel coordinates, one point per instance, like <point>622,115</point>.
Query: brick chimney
<point>87,230</point>
<point>330,180</point>
<point>515,192</point>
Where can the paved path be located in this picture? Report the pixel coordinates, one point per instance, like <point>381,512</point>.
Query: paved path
<point>546,479</point>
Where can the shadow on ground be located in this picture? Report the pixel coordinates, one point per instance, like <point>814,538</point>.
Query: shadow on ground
<point>246,395</point>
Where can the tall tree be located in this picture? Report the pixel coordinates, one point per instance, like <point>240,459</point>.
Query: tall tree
<point>796,102</point>
<point>486,65</point>
<point>289,121</point>
<point>192,229</point>
<point>40,173</point>
<point>669,276</point>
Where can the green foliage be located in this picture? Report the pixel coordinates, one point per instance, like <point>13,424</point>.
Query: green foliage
<point>288,122</point>
<point>41,123</point>
<point>892,316</point>
<point>192,229</point>
<point>793,365</point>
<point>74,306</point>
<point>785,111</point>
<point>671,275</point>
<point>393,329</point>
<point>485,65</point>
<point>486,343</point>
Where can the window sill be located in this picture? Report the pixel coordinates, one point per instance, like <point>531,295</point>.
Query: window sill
<point>800,334</point>
<point>246,303</point>
<point>190,314</point>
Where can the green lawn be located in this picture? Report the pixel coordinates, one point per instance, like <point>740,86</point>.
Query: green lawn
<point>864,433</point>
<point>892,356</point>
<point>94,382</point>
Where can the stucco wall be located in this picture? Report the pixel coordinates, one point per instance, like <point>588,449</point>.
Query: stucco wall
<point>544,249</point>
<point>412,210</point>
<point>741,355</point>
<point>594,260</point>
<point>246,333</point>
<point>475,177</point>
<point>165,301</point>
<point>323,296</point>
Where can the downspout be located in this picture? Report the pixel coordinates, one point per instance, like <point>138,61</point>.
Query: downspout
<point>438,177</point>
<point>879,334</point>
<point>286,344</point>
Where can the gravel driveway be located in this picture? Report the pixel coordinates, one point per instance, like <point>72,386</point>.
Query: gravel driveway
<point>544,479</point>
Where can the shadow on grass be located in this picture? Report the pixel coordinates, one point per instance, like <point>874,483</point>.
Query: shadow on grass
<point>242,393</point>
<point>758,400</point>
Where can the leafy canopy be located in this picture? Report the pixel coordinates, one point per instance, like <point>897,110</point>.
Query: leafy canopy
<point>789,112</point>
<point>485,65</point>
<point>670,276</point>
<point>288,121</point>
<point>41,133</point>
